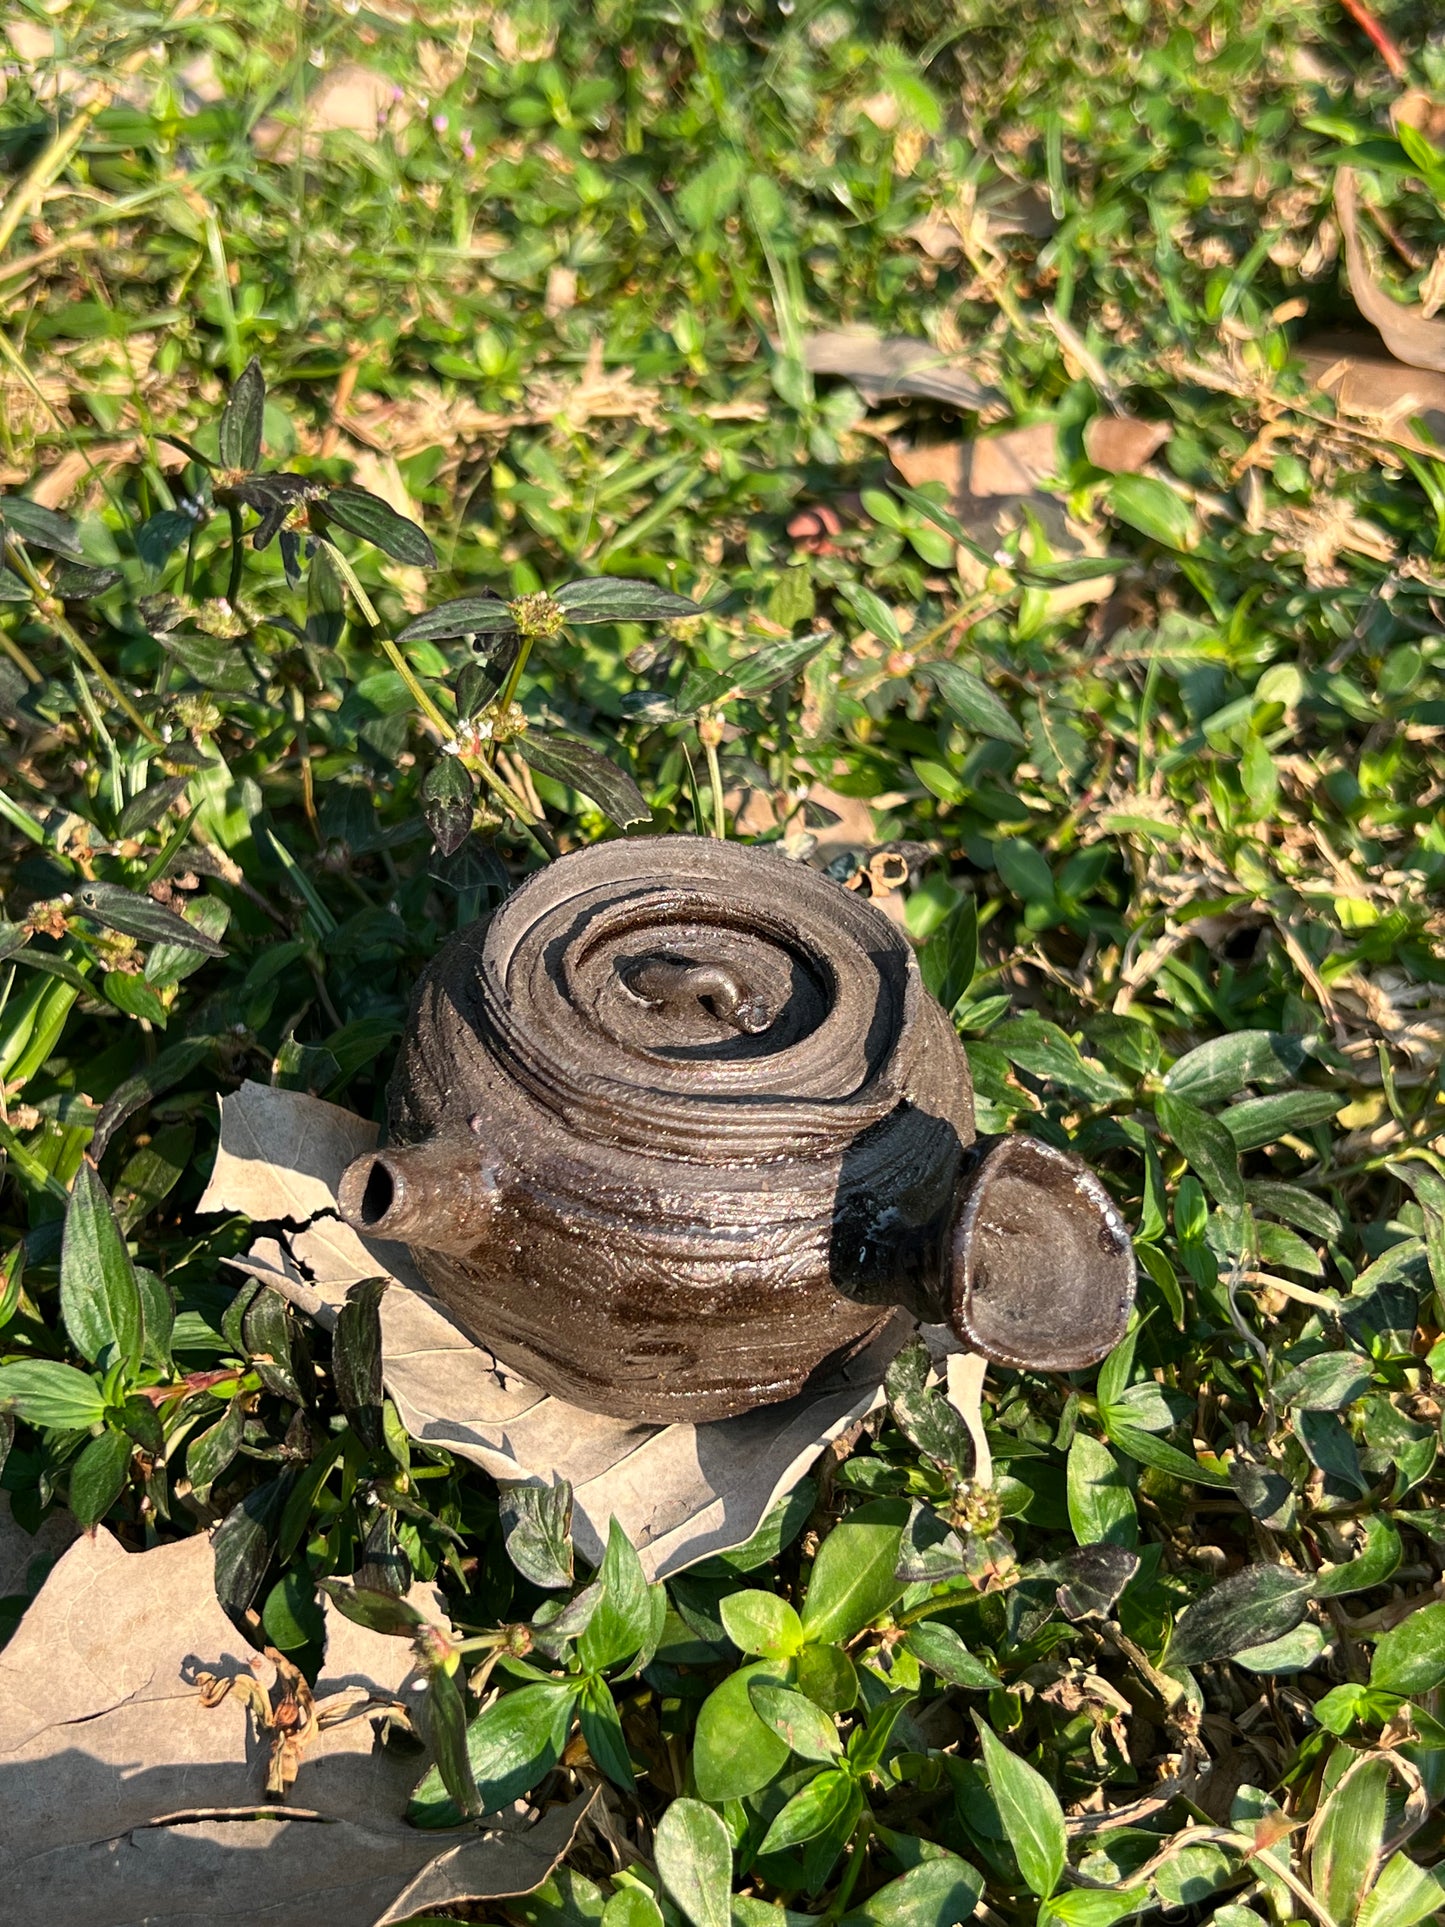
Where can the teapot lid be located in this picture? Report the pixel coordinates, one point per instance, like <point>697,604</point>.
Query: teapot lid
<point>700,1000</point>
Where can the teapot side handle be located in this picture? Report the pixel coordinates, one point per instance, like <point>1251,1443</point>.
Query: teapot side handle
<point>1038,1265</point>
<point>435,1196</point>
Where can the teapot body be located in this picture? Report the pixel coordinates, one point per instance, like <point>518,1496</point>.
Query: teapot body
<point>680,1219</point>
<point>678,1129</point>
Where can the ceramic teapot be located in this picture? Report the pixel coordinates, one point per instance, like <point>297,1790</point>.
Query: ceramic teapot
<point>677,1129</point>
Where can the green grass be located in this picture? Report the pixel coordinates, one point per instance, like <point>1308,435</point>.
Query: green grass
<point>555,310</point>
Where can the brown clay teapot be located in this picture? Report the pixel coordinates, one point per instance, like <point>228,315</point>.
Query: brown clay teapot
<point>676,1130</point>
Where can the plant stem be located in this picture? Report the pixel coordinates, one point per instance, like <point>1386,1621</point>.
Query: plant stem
<point>859,1843</point>
<point>714,777</point>
<point>514,676</point>
<point>50,611</point>
<point>238,555</point>
<point>18,656</point>
<point>503,791</point>
<point>393,655</point>
<point>505,794</point>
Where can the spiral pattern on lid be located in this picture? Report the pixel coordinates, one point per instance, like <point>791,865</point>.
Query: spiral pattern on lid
<point>697,1000</point>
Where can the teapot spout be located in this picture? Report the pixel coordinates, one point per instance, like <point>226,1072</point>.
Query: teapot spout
<point>436,1196</point>
<point>1038,1266</point>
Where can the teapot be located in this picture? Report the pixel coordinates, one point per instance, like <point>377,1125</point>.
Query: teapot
<point>677,1129</point>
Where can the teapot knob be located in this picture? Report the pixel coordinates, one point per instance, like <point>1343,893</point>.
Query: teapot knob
<point>666,985</point>
<point>1038,1264</point>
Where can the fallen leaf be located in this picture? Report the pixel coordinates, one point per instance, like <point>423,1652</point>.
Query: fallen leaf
<point>995,487</point>
<point>1015,462</point>
<point>352,99</point>
<point>493,1865</point>
<point>880,366</point>
<point>1407,333</point>
<point>1372,386</point>
<point>1122,444</point>
<point>130,1800</point>
<point>24,1556</point>
<point>1415,108</point>
<point>682,1492</point>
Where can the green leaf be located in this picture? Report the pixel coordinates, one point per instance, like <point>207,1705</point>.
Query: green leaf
<point>853,1579</point>
<point>631,1907</point>
<point>39,527</point>
<point>949,959</point>
<point>447,1724</point>
<point>467,615</point>
<point>602,1730</point>
<point>361,513</point>
<point>44,1392</point>
<point>814,1811</point>
<point>160,535</point>
<point>1404,1894</point>
<point>98,1477</point>
<point>99,1298</point>
<point>79,582</point>
<point>266,1334</point>
<point>973,702</point>
<point>537,1530</point>
<point>1292,1652</point>
<point>1410,1658</point>
<point>1089,1907</point>
<point>1155,509</point>
<point>829,1678</point>
<point>1145,1449</point>
<point>802,1727</point>
<point>921,1412</point>
<point>379,1612</point>
<point>141,1423</point>
<point>622,1622</point>
<point>1227,1064</point>
<point>511,1747</point>
<point>567,761</point>
<point>1348,1836</point>
<point>239,437</point>
<point>448,799</point>
<point>208,1453</point>
<point>939,1648</point>
<point>872,1742</point>
<point>243,1543</point>
<point>695,1862</point>
<point>734,1754</point>
<point>1207,1145</point>
<point>1248,1608</point>
<point>621,599</point>
<point>140,916</point>
<point>942,1891</point>
<point>1038,1046</point>
<point>1265,1120</point>
<point>781,1525</point>
<point>776,662</point>
<point>1101,1506</point>
<point>292,1613</point>
<point>1327,1383</point>
<point>356,1361</point>
<point>873,612</point>
<point>1031,1814</point>
<point>760,1622</point>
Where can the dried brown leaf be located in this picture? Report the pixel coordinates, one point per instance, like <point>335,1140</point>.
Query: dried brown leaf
<point>880,366</point>
<point>1408,334</point>
<point>129,1799</point>
<point>1122,444</point>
